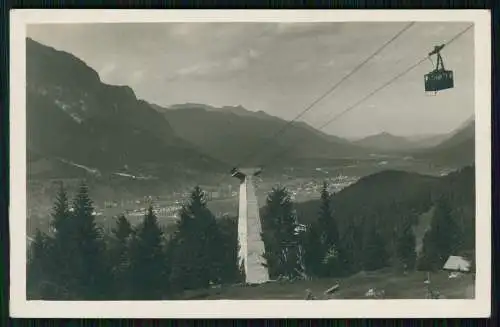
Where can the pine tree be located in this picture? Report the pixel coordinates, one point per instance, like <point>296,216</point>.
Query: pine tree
<point>349,254</point>
<point>197,260</point>
<point>445,231</point>
<point>279,224</point>
<point>90,279</point>
<point>148,260</point>
<point>323,246</point>
<point>228,254</point>
<point>120,257</point>
<point>37,272</point>
<point>123,229</point>
<point>313,251</point>
<point>374,254</point>
<point>405,245</point>
<point>352,245</point>
<point>61,213</point>
<point>60,254</point>
<point>327,223</point>
<point>329,237</point>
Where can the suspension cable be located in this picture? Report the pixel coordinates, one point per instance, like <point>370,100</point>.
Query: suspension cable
<point>331,89</point>
<point>383,86</point>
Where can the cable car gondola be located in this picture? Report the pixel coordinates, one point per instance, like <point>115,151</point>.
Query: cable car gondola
<point>439,79</point>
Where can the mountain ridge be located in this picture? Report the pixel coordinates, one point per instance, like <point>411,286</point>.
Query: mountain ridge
<point>457,149</point>
<point>383,142</point>
<point>96,124</point>
<point>106,126</point>
<point>386,142</point>
<point>231,133</point>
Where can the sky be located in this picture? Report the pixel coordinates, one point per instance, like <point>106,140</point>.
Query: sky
<point>281,68</point>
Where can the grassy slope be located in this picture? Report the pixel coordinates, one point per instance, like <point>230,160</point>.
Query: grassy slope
<point>396,286</point>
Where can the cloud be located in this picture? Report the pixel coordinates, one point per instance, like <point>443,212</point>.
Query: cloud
<point>107,70</point>
<point>254,53</point>
<point>198,69</point>
<point>302,65</point>
<point>243,60</point>
<point>331,63</point>
<point>137,76</point>
<point>238,63</point>
<point>306,28</point>
<point>216,68</point>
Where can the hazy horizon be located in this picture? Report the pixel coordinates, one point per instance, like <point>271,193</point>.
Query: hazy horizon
<point>281,68</point>
<point>350,138</point>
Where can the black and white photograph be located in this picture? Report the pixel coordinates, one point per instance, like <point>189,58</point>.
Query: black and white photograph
<point>239,163</point>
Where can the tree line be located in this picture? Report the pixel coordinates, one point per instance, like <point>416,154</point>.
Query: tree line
<point>320,250</point>
<point>78,260</point>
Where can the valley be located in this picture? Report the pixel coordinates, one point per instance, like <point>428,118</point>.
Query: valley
<point>124,195</point>
<point>134,180</point>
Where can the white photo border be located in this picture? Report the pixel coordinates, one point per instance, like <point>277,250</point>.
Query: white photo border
<point>480,306</point>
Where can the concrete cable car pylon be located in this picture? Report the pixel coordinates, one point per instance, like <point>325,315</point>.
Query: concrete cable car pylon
<point>251,251</point>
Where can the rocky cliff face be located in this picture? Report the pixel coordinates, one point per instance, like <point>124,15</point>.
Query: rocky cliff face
<point>72,115</point>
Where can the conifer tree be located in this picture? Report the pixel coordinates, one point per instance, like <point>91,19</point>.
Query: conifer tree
<point>330,237</point>
<point>123,229</point>
<point>323,246</point>
<point>375,255</point>
<point>61,212</point>
<point>59,248</point>
<point>120,257</point>
<point>279,235</point>
<point>327,224</point>
<point>148,261</point>
<point>314,252</point>
<point>197,260</point>
<point>229,270</point>
<point>405,245</point>
<point>349,256</point>
<point>90,279</point>
<point>37,272</point>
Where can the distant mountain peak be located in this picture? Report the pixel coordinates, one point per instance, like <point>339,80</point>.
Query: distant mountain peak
<point>385,141</point>
<point>457,148</point>
<point>238,110</point>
